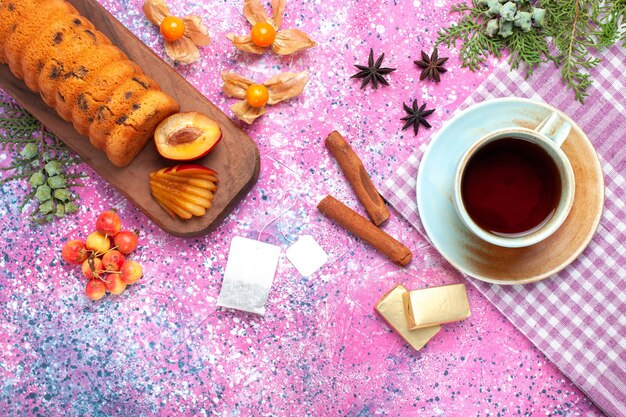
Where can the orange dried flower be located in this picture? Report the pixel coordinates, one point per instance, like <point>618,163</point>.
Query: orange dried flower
<point>252,95</point>
<point>182,35</point>
<point>265,31</point>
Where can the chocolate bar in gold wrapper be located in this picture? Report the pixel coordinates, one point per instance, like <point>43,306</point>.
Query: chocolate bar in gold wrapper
<point>391,308</point>
<point>436,305</point>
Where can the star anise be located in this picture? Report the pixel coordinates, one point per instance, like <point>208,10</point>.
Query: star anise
<point>416,116</point>
<point>373,72</point>
<point>431,66</point>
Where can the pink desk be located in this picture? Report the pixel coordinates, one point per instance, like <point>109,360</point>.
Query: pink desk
<point>164,348</point>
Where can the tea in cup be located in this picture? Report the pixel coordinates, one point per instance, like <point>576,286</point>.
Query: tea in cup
<point>514,187</point>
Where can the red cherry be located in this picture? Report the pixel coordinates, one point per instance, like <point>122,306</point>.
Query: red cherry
<point>95,289</point>
<point>131,272</point>
<point>108,223</point>
<point>92,268</point>
<point>113,260</point>
<point>115,285</point>
<point>74,252</point>
<point>125,241</point>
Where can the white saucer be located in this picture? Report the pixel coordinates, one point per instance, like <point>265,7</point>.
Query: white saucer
<point>472,255</point>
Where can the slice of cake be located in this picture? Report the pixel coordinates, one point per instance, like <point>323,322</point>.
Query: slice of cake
<point>25,29</point>
<point>132,131</point>
<point>78,76</point>
<point>122,101</point>
<point>65,60</point>
<point>11,12</point>
<point>37,53</point>
<point>100,86</point>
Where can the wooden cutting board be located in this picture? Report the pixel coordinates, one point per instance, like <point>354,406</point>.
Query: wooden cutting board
<point>235,158</point>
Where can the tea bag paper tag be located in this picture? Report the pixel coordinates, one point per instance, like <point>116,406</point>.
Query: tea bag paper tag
<point>250,270</point>
<point>306,255</point>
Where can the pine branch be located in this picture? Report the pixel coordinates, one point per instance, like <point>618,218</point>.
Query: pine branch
<point>614,15</point>
<point>577,28</point>
<point>27,199</point>
<point>15,177</point>
<point>618,13</point>
<point>476,47</point>
<point>574,26</point>
<point>528,50</point>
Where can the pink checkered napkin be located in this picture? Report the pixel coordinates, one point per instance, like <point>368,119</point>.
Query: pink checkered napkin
<point>577,318</point>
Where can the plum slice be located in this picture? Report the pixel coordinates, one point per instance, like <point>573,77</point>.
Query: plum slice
<point>184,191</point>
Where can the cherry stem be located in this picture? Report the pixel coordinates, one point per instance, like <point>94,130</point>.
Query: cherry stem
<point>97,253</point>
<point>102,279</point>
<point>110,249</point>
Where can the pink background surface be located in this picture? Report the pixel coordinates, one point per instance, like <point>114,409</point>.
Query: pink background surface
<point>164,348</point>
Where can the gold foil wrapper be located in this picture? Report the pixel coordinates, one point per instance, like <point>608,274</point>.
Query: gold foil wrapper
<point>391,308</point>
<point>436,305</point>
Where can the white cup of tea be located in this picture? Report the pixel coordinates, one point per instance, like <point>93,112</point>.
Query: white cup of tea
<point>514,187</point>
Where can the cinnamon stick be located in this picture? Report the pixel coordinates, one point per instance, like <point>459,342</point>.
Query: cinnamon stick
<point>358,178</point>
<point>363,228</point>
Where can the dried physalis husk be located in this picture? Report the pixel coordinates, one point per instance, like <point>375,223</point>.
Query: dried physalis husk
<point>254,12</point>
<point>244,43</point>
<point>286,85</point>
<point>185,190</point>
<point>246,112</point>
<point>235,85</point>
<point>156,11</point>
<point>278,11</point>
<point>280,87</point>
<point>184,50</point>
<point>287,41</point>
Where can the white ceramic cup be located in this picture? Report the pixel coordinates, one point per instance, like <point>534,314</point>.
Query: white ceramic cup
<point>549,135</point>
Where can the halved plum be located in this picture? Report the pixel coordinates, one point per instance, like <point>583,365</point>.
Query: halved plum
<point>186,136</point>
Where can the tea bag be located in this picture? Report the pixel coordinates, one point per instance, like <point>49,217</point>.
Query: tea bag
<point>306,255</point>
<point>249,275</point>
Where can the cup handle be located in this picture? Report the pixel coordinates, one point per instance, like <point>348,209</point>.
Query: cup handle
<point>555,128</point>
